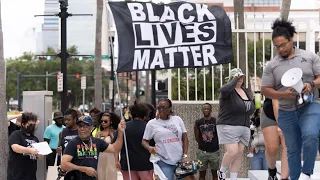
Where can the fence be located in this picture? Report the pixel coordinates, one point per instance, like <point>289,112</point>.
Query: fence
<point>199,85</point>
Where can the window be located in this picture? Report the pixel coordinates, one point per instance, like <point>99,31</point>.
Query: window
<point>262,2</point>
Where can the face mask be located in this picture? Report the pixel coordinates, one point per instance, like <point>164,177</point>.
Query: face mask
<point>31,129</point>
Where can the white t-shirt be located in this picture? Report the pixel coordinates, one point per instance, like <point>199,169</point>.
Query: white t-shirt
<point>167,135</point>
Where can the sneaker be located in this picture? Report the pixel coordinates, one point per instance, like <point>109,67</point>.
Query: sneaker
<point>273,177</point>
<point>304,177</point>
<point>221,175</point>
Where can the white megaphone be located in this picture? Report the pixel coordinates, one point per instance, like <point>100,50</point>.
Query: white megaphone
<point>292,78</point>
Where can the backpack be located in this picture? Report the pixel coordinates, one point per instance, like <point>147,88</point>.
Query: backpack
<point>268,108</point>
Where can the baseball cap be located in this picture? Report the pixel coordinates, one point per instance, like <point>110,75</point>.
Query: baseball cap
<point>85,119</point>
<point>233,72</point>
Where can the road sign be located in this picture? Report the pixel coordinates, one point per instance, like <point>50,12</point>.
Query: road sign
<point>83,82</point>
<point>60,81</point>
<point>103,57</point>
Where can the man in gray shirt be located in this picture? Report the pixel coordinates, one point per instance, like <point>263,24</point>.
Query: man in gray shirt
<point>300,124</point>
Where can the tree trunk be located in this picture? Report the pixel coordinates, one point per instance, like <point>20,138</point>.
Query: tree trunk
<point>3,111</point>
<point>97,60</point>
<point>285,9</point>
<point>239,24</point>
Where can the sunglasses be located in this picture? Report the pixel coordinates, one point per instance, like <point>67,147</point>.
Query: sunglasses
<point>105,122</point>
<point>83,125</point>
<point>162,107</point>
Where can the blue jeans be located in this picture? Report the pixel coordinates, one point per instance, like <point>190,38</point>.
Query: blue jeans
<point>167,169</point>
<point>300,129</point>
<point>259,161</point>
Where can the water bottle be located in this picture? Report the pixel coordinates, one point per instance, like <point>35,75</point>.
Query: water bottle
<point>257,99</point>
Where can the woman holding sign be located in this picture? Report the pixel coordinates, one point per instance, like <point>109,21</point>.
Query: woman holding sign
<point>236,107</point>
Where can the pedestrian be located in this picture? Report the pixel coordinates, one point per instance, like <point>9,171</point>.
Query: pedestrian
<point>96,115</point>
<point>51,135</point>
<point>140,166</point>
<point>236,108</point>
<point>23,157</point>
<point>14,126</point>
<point>257,146</point>
<point>82,153</point>
<point>205,133</point>
<point>170,136</point>
<point>299,123</point>
<point>71,130</point>
<point>107,162</point>
<point>273,138</point>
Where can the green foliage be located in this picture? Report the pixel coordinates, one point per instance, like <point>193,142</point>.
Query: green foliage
<point>29,64</point>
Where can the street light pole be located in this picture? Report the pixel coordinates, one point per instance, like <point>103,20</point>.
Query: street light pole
<point>64,54</point>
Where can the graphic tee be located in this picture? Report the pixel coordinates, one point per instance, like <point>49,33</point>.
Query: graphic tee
<point>208,135</point>
<point>20,166</point>
<point>85,153</point>
<point>66,136</point>
<point>167,135</point>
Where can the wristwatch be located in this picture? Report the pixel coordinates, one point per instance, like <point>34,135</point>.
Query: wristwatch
<point>184,156</point>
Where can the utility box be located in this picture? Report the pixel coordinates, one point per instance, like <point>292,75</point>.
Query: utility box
<point>40,103</point>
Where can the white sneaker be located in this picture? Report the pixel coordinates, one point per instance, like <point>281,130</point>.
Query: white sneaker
<point>304,177</point>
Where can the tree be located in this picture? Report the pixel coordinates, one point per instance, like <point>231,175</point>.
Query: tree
<point>97,62</point>
<point>239,24</point>
<point>3,113</point>
<point>285,9</point>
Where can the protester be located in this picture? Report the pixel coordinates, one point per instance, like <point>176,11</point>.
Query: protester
<point>82,153</point>
<point>23,157</point>
<point>51,135</point>
<point>96,115</point>
<point>141,167</point>
<point>170,136</point>
<point>14,126</point>
<point>151,113</point>
<point>71,130</point>
<point>78,112</point>
<point>236,107</point>
<point>107,163</point>
<point>273,138</point>
<point>208,146</point>
<point>298,122</point>
<point>257,146</point>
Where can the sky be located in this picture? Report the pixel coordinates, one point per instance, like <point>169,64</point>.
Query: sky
<point>19,25</point>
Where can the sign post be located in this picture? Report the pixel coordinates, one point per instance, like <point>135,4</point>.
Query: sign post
<point>60,81</point>
<point>83,87</point>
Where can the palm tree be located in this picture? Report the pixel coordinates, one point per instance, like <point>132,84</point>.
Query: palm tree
<point>97,61</point>
<point>285,9</point>
<point>3,111</point>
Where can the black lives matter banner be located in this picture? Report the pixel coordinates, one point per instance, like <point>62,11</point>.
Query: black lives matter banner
<point>181,34</point>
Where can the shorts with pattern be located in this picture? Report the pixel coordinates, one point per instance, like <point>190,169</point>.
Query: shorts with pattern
<point>208,158</point>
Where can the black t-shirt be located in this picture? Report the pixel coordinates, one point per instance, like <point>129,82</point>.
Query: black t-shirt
<point>138,155</point>
<point>66,136</point>
<point>13,127</point>
<point>208,135</point>
<point>21,167</point>
<point>85,154</point>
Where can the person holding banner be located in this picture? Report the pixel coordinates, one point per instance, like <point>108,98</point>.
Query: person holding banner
<point>299,123</point>
<point>236,107</point>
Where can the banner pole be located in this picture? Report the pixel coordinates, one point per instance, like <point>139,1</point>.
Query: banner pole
<point>124,132</point>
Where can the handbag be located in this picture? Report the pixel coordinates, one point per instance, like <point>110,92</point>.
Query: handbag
<point>187,169</point>
<point>54,172</point>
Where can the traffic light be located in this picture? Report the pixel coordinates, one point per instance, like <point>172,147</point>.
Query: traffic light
<point>80,58</point>
<point>77,75</point>
<point>41,58</point>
